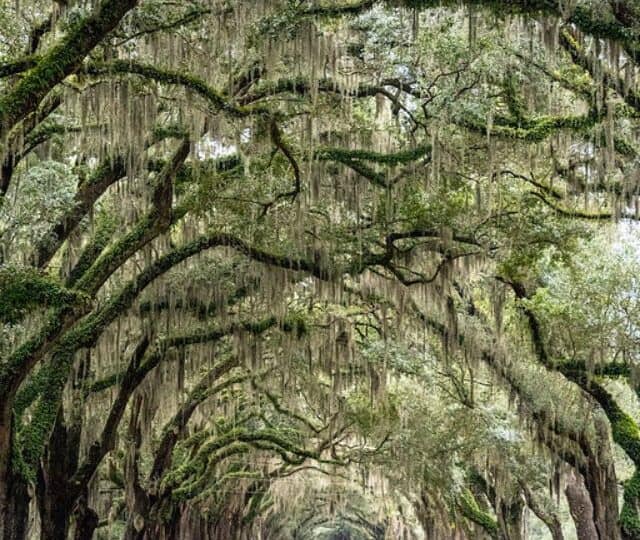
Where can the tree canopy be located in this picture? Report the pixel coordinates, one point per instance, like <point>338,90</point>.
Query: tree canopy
<point>319,269</point>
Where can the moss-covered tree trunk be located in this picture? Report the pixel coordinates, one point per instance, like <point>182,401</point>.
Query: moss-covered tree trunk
<point>61,60</point>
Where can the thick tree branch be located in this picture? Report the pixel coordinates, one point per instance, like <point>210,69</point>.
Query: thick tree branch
<point>217,102</point>
<point>61,60</point>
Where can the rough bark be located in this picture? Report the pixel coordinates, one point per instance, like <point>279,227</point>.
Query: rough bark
<point>581,508</point>
<point>599,478</point>
<point>136,497</point>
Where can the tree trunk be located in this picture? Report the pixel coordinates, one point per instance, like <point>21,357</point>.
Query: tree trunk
<point>136,497</point>
<point>581,508</point>
<point>550,519</point>
<point>15,508</point>
<point>14,493</point>
<point>600,481</point>
<point>510,519</point>
<point>51,489</point>
<point>86,520</point>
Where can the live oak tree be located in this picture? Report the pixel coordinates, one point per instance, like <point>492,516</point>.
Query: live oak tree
<point>318,269</point>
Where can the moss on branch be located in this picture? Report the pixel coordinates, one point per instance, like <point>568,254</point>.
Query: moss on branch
<point>217,101</point>
<point>532,129</point>
<point>472,511</point>
<point>63,59</point>
<point>157,221</point>
<point>104,231</point>
<point>355,160</point>
<point>87,331</point>
<point>88,193</point>
<point>22,289</point>
<point>629,520</point>
<point>391,158</point>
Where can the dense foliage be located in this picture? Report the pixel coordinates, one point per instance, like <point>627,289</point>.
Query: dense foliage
<point>330,269</point>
